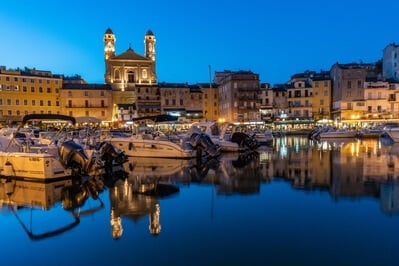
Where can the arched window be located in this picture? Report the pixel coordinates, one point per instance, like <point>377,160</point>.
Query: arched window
<point>117,75</point>
<point>130,77</point>
<point>144,72</point>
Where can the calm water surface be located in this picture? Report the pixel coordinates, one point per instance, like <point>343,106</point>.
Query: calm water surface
<point>297,203</point>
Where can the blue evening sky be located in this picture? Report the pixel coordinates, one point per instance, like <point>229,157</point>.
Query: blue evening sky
<point>272,38</point>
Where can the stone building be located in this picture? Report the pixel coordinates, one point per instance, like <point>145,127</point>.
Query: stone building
<point>348,88</point>
<point>130,75</point>
<point>239,96</point>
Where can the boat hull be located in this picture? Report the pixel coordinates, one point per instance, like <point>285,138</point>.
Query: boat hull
<point>31,166</point>
<point>152,148</point>
<point>338,134</point>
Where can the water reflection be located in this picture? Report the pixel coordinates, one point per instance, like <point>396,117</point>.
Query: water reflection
<point>138,195</point>
<point>345,168</point>
<point>18,196</point>
<point>350,169</point>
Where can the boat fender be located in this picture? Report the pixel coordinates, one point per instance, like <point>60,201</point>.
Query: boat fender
<point>8,170</point>
<point>9,187</point>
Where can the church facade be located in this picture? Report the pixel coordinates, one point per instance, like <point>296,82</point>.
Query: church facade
<point>130,74</point>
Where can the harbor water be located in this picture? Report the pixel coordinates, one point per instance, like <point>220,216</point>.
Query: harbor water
<point>298,202</point>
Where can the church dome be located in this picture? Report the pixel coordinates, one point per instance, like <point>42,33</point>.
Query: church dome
<point>109,31</point>
<point>149,32</point>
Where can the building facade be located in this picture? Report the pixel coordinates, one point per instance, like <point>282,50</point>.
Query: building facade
<point>182,100</point>
<point>239,96</point>
<point>126,73</point>
<point>321,102</point>
<point>210,101</point>
<point>28,91</point>
<point>390,62</point>
<point>348,88</point>
<point>92,101</point>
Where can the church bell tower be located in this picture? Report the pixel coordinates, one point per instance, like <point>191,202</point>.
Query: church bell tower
<point>149,45</point>
<point>109,44</point>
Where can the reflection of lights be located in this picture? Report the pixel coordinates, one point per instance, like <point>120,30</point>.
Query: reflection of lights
<point>283,151</point>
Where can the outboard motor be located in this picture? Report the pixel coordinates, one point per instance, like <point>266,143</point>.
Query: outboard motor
<point>110,155</point>
<point>74,156</point>
<point>203,141</point>
<point>245,140</point>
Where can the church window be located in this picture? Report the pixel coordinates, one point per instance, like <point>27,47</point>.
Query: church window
<point>130,77</point>
<point>144,73</point>
<point>117,75</point>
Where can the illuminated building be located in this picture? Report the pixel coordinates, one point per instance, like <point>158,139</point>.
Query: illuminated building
<point>79,99</point>
<point>28,91</point>
<point>130,74</point>
<point>210,101</point>
<point>239,99</point>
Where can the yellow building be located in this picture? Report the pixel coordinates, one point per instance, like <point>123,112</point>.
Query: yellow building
<point>321,102</point>
<point>183,100</point>
<point>28,91</point>
<point>210,101</point>
<point>90,101</point>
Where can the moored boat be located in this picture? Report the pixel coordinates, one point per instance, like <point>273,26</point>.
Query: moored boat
<point>150,143</point>
<point>27,159</point>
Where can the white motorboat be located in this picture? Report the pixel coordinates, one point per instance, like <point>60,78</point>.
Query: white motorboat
<point>263,137</point>
<point>226,136</point>
<point>26,158</point>
<point>155,145</point>
<point>332,133</point>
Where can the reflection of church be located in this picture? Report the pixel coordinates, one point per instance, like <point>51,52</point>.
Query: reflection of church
<point>132,77</point>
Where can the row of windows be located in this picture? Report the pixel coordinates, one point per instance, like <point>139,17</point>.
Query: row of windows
<point>18,112</point>
<point>85,93</point>
<point>70,105</point>
<point>25,102</point>
<point>87,113</point>
<point>17,79</point>
<point>25,89</point>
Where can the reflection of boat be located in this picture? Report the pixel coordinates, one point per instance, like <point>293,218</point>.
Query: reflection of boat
<point>33,194</point>
<point>18,195</point>
<point>155,168</point>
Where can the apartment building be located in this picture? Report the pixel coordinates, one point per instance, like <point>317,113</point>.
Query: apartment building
<point>300,95</point>
<point>239,96</point>
<point>390,62</point>
<point>348,88</point>
<point>210,101</point>
<point>87,100</point>
<point>28,91</point>
<point>321,101</point>
<point>266,103</point>
<point>183,100</point>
